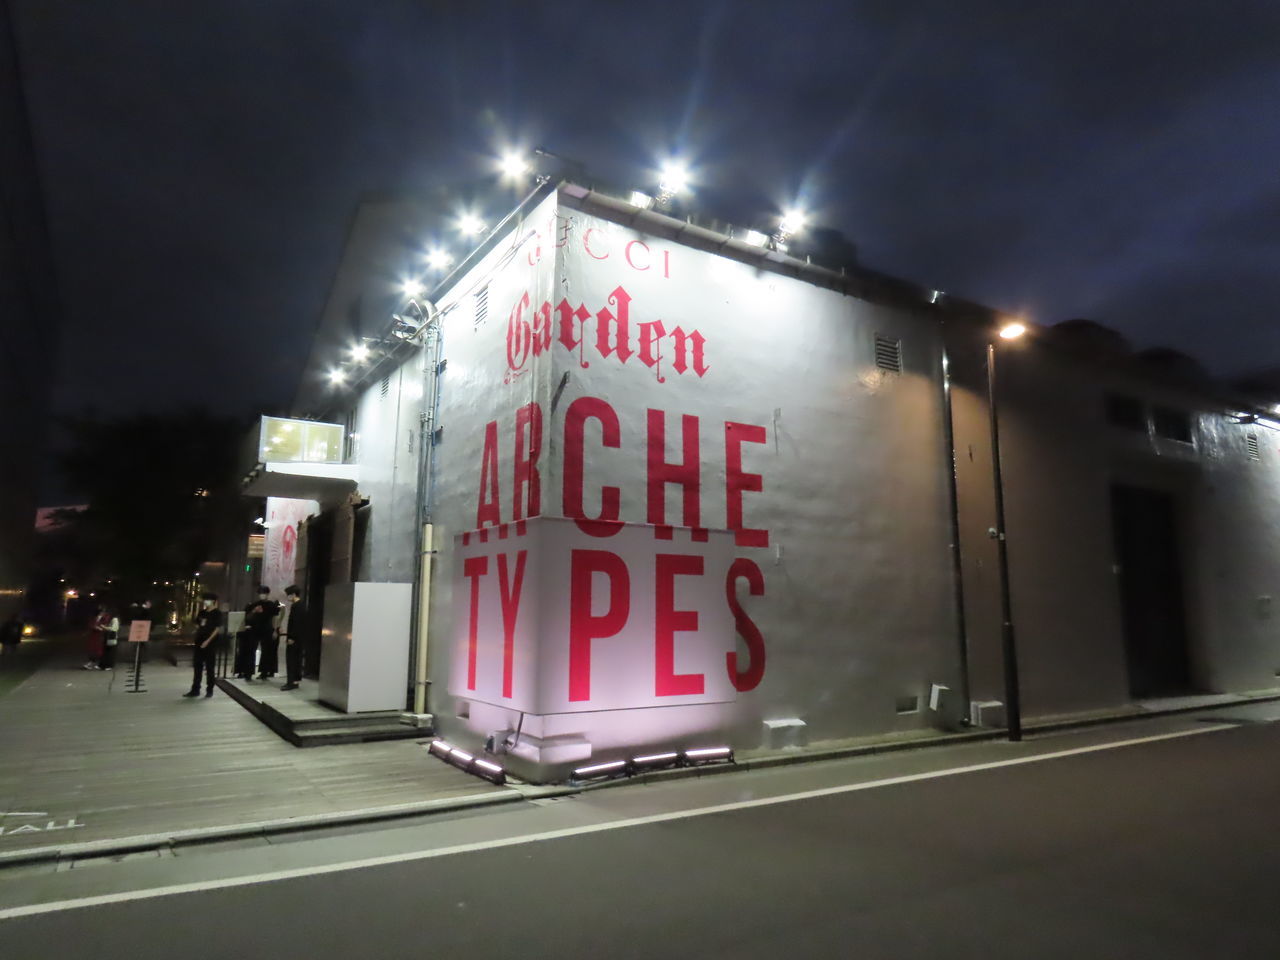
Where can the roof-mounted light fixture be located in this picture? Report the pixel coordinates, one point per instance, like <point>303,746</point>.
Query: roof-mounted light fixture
<point>673,178</point>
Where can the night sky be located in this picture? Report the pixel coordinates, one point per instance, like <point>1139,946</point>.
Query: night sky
<point>1112,160</point>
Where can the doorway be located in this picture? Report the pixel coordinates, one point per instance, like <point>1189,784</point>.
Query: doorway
<point>1149,574</point>
<point>319,551</point>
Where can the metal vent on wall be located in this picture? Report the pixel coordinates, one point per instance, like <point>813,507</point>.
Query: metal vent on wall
<point>386,386</point>
<point>482,305</point>
<point>1251,446</point>
<point>888,354</point>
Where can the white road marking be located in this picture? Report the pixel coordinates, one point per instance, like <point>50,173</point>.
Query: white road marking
<point>389,859</point>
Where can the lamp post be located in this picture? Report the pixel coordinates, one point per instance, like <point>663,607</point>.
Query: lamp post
<point>1008,643</point>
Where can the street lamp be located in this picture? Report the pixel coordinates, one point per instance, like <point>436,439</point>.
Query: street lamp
<point>1008,646</point>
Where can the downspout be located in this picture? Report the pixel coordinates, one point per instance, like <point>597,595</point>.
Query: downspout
<point>953,485</point>
<point>432,344</point>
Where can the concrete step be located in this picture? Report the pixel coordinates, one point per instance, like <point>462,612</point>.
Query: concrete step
<point>325,729</point>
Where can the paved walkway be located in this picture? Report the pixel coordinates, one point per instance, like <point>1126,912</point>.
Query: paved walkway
<point>82,760</point>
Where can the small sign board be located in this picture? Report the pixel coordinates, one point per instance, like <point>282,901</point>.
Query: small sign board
<point>139,631</point>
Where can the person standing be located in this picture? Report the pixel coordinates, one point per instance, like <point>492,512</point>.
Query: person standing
<point>261,623</point>
<point>294,624</point>
<point>97,640</point>
<point>10,637</point>
<point>110,638</point>
<point>205,653</point>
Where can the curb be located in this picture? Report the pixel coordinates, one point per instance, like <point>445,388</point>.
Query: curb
<point>896,746</point>
<point>521,792</point>
<point>263,828</point>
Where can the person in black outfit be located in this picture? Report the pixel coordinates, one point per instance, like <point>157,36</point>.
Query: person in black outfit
<point>260,621</point>
<point>10,637</point>
<point>208,628</point>
<point>294,624</point>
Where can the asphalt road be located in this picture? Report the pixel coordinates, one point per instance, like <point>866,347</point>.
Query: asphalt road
<point>1157,849</point>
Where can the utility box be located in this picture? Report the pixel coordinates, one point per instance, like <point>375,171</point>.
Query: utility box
<point>986,713</point>
<point>364,660</point>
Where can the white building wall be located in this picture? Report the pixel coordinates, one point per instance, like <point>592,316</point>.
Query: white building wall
<point>855,613</point>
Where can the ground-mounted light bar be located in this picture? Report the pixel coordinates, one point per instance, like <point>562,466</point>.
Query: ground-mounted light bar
<point>654,761</point>
<point>467,762</point>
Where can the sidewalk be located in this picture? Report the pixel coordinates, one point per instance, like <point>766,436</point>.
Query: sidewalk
<point>82,760</point>
<point>91,770</point>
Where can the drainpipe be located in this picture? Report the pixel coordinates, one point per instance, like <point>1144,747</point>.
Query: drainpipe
<point>432,348</point>
<point>957,570</point>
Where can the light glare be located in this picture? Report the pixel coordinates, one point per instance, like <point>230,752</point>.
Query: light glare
<point>469,225</point>
<point>411,287</point>
<point>438,258</point>
<point>360,353</point>
<point>1012,331</point>
<point>513,165</point>
<point>655,758</point>
<point>793,221</point>
<point>600,767</point>
<point>337,376</point>
<point>673,178</point>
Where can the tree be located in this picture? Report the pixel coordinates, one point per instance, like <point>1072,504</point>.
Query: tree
<point>161,490</point>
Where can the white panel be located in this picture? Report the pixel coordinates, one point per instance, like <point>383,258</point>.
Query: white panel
<point>379,647</point>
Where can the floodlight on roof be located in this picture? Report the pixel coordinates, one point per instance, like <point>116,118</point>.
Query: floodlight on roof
<point>437,259</point>
<point>469,225</point>
<point>513,165</point>
<point>673,178</point>
<point>793,221</point>
<point>411,287</point>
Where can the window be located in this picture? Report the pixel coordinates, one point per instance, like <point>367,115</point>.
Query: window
<point>1126,412</point>
<point>1172,424</point>
<point>351,449</point>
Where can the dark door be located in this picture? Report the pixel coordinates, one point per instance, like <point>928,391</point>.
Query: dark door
<point>319,554</point>
<point>1151,600</point>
